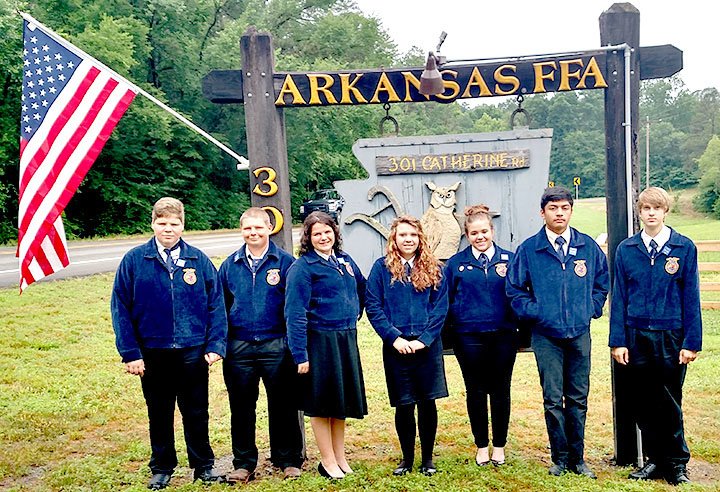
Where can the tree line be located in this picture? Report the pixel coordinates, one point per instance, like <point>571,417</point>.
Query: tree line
<point>167,46</point>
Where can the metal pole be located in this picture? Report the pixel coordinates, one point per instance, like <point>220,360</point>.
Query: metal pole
<point>647,152</point>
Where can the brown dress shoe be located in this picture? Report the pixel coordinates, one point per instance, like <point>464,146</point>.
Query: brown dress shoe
<point>291,472</point>
<point>241,475</point>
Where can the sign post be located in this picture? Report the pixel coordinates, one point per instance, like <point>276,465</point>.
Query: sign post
<point>265,93</point>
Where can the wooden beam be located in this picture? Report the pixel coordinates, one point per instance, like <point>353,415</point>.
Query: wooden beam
<point>657,62</point>
<point>223,87</point>
<point>620,24</point>
<point>265,129</point>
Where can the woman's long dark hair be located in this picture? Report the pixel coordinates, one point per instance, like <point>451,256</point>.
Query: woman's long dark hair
<point>318,218</point>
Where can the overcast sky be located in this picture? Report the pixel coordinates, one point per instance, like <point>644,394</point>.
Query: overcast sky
<point>486,29</point>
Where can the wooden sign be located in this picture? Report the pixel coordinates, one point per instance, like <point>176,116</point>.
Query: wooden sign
<point>529,75</point>
<point>452,163</point>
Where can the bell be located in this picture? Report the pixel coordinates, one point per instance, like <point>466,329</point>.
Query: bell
<point>431,82</point>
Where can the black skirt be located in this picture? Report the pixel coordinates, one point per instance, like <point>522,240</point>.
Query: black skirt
<point>415,377</point>
<point>334,387</point>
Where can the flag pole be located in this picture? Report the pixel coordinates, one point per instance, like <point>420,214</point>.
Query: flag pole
<point>243,163</point>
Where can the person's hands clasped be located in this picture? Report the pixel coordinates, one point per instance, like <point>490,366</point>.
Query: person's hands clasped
<point>416,345</point>
<point>403,346</point>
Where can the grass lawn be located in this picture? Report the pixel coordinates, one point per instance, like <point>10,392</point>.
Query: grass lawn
<point>72,420</point>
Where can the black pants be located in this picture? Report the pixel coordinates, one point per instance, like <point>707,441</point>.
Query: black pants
<point>564,367</point>
<point>182,375</point>
<point>657,378</point>
<point>486,361</point>
<point>245,365</point>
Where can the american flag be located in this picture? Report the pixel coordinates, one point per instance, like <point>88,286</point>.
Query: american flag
<point>70,106</point>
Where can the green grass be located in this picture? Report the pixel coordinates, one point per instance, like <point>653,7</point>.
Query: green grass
<point>71,420</point>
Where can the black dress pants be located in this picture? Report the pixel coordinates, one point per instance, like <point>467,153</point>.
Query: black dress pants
<point>486,360</point>
<point>177,375</point>
<point>270,360</point>
<point>657,379</point>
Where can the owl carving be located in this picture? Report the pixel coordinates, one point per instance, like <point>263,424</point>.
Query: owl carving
<point>439,223</point>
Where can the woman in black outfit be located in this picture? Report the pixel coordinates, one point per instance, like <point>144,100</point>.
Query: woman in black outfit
<point>484,334</point>
<point>406,303</point>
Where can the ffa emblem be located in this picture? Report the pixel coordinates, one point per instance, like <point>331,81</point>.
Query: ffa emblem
<point>672,265</point>
<point>273,276</point>
<point>348,267</point>
<point>501,269</point>
<point>580,268</point>
<point>189,276</point>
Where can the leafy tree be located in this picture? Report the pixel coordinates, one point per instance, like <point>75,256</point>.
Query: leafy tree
<point>708,198</point>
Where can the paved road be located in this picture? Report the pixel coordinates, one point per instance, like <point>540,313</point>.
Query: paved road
<point>90,257</point>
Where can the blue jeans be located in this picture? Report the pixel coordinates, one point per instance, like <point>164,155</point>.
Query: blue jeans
<point>564,367</point>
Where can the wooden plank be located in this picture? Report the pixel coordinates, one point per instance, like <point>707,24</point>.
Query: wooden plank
<point>452,163</point>
<point>223,86</point>
<point>707,245</point>
<point>710,286</point>
<point>657,62</point>
<point>709,266</point>
<point>710,304</point>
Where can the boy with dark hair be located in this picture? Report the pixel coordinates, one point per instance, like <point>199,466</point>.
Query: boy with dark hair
<point>656,330</point>
<point>558,281</point>
<point>170,325</point>
<point>253,280</point>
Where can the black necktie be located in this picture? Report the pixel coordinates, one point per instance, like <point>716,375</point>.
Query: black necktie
<point>653,250</point>
<point>254,264</point>
<point>560,241</point>
<point>484,261</point>
<point>408,270</point>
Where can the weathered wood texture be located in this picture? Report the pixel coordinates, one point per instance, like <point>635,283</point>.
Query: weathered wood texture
<point>265,129</point>
<point>620,24</point>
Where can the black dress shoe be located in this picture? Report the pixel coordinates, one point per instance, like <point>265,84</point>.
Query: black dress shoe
<point>583,469</point>
<point>403,468</point>
<point>428,468</point>
<point>557,469</point>
<point>647,472</point>
<point>208,475</point>
<point>324,473</point>
<point>677,475</point>
<point>159,481</point>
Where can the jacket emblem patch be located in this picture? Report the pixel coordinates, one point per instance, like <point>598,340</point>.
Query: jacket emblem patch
<point>501,269</point>
<point>273,276</point>
<point>189,276</point>
<point>672,265</point>
<point>580,268</point>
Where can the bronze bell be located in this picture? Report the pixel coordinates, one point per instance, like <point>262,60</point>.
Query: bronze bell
<point>431,82</point>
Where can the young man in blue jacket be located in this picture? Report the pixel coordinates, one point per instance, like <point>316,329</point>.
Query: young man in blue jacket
<point>656,330</point>
<point>253,280</point>
<point>170,325</point>
<point>558,281</point>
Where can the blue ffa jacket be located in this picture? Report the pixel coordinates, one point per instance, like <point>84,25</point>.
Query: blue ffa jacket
<point>559,299</point>
<point>255,302</point>
<point>151,310</point>
<point>664,295</point>
<point>397,309</point>
<point>478,302</point>
<point>321,297</point>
